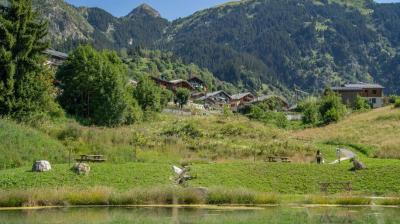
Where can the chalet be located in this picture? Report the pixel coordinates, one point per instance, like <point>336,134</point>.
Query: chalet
<point>373,93</point>
<point>241,99</point>
<point>180,83</point>
<point>55,58</point>
<point>174,84</point>
<point>280,103</point>
<point>216,99</point>
<point>198,84</point>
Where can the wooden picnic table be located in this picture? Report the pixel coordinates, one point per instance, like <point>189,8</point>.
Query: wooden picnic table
<point>275,159</point>
<point>91,158</point>
<point>325,186</point>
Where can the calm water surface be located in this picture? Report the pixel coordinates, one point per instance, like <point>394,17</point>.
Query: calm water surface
<point>299,215</point>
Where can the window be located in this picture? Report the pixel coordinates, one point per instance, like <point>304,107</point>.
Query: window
<point>373,100</point>
<point>374,91</point>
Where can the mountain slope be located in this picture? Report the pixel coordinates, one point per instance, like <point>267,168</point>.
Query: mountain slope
<point>259,45</point>
<point>70,26</point>
<point>299,43</point>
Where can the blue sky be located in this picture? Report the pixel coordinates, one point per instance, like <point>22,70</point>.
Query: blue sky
<point>170,9</point>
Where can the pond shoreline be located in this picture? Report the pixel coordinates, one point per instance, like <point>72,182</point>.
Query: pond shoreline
<point>203,206</point>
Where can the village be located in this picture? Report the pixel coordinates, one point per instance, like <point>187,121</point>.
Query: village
<point>202,101</point>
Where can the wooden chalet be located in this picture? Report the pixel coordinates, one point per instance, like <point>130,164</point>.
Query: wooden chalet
<point>373,93</point>
<point>215,100</point>
<point>198,84</point>
<point>55,58</point>
<point>174,84</point>
<point>241,99</point>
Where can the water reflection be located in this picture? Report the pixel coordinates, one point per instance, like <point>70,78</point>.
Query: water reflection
<point>196,215</point>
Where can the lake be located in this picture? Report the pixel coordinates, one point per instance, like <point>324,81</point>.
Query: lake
<point>125,215</point>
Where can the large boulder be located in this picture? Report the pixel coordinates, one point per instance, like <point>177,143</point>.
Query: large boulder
<point>81,168</point>
<point>41,166</point>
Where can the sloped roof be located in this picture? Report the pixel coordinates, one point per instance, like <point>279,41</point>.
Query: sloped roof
<point>357,87</point>
<point>56,53</point>
<point>267,97</point>
<point>214,94</point>
<point>240,96</point>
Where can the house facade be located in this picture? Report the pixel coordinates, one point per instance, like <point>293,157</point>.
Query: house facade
<point>215,100</point>
<point>373,93</point>
<point>173,84</point>
<point>55,58</point>
<point>241,99</point>
<point>198,84</point>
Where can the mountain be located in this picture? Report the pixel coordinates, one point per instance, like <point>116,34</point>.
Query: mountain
<point>70,26</point>
<point>258,45</point>
<point>305,44</point>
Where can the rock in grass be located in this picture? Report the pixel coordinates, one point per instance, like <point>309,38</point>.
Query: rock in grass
<point>41,166</point>
<point>357,165</point>
<point>81,168</point>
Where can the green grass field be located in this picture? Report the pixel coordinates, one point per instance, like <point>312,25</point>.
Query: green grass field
<point>227,152</point>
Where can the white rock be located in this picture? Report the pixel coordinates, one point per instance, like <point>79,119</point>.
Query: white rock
<point>41,166</point>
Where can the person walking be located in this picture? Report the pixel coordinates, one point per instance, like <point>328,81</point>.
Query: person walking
<point>319,157</point>
<point>338,153</point>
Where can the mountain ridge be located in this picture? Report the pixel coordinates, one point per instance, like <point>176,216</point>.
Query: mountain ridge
<point>267,45</point>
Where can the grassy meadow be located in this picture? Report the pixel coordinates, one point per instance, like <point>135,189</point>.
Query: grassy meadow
<point>224,152</point>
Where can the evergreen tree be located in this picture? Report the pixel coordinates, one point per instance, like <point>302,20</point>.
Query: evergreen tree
<point>25,82</point>
<point>94,87</point>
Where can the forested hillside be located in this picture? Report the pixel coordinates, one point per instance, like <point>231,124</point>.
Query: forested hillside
<point>167,66</point>
<point>260,45</point>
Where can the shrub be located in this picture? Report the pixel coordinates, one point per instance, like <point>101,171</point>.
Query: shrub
<point>361,104</point>
<point>331,108</point>
<point>185,130</point>
<point>310,110</point>
<point>397,103</point>
<point>269,117</point>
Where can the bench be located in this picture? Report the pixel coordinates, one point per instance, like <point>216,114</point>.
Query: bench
<point>325,186</point>
<point>91,158</point>
<point>274,159</point>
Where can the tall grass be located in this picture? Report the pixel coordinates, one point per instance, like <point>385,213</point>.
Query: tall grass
<point>139,196</point>
<point>337,200</point>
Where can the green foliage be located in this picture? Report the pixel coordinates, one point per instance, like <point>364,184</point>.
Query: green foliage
<point>361,104</point>
<point>94,87</point>
<point>397,103</point>
<point>25,82</point>
<point>310,110</point>
<point>271,117</point>
<point>331,108</point>
<point>184,130</point>
<point>149,95</point>
<point>168,66</point>
<point>182,96</point>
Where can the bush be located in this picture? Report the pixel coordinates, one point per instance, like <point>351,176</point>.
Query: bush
<point>361,104</point>
<point>397,103</point>
<point>185,130</point>
<point>269,117</point>
<point>310,110</point>
<point>331,108</point>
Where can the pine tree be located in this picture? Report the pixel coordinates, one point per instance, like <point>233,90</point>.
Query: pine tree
<point>25,82</point>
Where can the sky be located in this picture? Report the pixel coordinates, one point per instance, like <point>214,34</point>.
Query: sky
<point>170,9</point>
